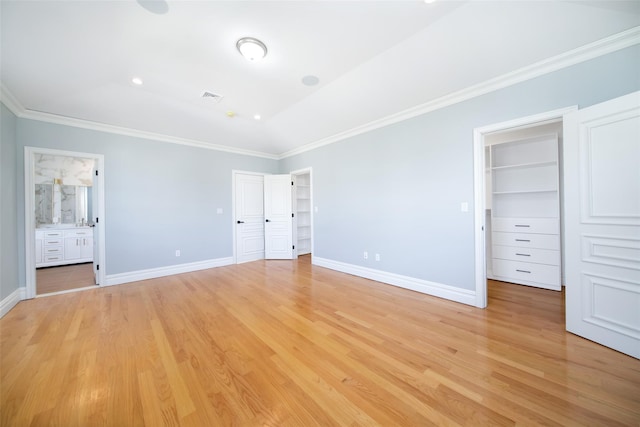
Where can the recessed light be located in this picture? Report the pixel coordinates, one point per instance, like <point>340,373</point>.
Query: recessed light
<point>159,7</point>
<point>429,1</point>
<point>231,114</point>
<point>136,81</point>
<point>252,49</point>
<point>310,80</point>
<point>257,116</point>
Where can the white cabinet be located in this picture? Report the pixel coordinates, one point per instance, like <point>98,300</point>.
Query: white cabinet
<point>78,246</point>
<point>39,242</point>
<point>52,247</point>
<point>525,212</point>
<point>63,246</point>
<point>302,207</point>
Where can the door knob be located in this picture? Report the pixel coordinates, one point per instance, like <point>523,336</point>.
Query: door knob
<point>240,222</point>
<point>267,220</point>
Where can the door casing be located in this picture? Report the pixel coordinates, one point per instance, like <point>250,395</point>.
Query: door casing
<point>479,188</point>
<point>29,205</point>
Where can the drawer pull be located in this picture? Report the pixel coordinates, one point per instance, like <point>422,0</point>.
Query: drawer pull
<point>52,250</point>
<point>523,225</point>
<point>523,240</point>
<point>522,254</point>
<point>523,271</point>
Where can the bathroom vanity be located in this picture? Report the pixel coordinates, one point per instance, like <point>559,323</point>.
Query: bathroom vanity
<point>62,244</point>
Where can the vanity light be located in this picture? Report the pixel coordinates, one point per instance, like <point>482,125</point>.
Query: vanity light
<point>252,49</point>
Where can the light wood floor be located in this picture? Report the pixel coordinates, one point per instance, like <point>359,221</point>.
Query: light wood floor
<point>64,278</point>
<point>283,343</point>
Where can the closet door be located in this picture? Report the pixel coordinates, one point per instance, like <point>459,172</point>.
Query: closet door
<point>278,217</point>
<point>602,223</point>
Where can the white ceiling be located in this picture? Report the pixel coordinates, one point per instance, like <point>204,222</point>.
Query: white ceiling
<point>373,58</point>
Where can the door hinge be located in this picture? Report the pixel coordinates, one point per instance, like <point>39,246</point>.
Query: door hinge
<point>98,267</point>
<point>96,172</point>
<point>97,220</point>
<point>291,182</point>
<point>292,215</point>
<point>293,247</point>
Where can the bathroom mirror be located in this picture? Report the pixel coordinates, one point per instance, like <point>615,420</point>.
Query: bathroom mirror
<point>62,204</point>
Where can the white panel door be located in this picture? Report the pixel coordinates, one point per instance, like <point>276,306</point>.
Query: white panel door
<point>278,217</point>
<point>249,222</point>
<point>602,223</point>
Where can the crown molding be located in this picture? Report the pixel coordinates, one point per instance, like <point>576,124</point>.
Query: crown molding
<point>12,103</point>
<point>87,124</point>
<point>584,53</point>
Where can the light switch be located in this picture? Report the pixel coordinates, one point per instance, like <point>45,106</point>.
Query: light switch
<point>464,207</point>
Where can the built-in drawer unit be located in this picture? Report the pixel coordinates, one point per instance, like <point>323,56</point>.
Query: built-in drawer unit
<point>538,256</point>
<point>541,275</point>
<point>524,240</point>
<point>526,225</point>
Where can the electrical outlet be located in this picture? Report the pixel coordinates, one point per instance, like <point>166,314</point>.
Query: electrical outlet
<point>177,252</point>
<point>377,257</point>
<point>366,255</point>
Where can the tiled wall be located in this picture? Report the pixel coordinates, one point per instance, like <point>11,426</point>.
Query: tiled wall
<point>56,181</point>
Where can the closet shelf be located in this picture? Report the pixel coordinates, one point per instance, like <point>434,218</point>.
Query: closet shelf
<point>547,190</point>
<point>525,165</point>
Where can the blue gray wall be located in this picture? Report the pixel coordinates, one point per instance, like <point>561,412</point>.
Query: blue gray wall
<point>159,197</point>
<point>394,191</point>
<point>397,190</point>
<point>9,271</point>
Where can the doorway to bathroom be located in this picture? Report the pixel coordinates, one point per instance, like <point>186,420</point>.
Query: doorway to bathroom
<point>64,221</point>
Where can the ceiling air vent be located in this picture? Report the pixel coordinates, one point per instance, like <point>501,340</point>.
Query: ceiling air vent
<point>212,96</point>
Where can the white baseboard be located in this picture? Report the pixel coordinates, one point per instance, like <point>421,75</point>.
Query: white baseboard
<point>11,300</point>
<point>440,290</point>
<point>134,276</point>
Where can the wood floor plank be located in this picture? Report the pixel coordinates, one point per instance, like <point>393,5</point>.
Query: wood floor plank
<point>64,278</point>
<point>282,343</point>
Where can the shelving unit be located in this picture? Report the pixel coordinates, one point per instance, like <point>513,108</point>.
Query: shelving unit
<point>525,212</point>
<point>302,188</point>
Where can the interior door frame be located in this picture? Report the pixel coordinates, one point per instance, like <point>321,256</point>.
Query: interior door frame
<point>29,205</point>
<point>479,187</point>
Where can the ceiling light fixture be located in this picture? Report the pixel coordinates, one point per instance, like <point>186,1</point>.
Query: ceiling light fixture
<point>257,116</point>
<point>136,81</point>
<point>252,49</point>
